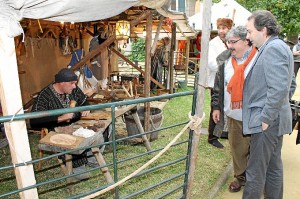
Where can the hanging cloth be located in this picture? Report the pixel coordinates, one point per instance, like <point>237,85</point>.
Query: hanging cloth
<point>75,59</point>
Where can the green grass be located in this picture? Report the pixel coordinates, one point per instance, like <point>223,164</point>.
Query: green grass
<point>210,163</point>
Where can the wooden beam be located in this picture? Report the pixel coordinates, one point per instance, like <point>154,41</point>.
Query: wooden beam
<point>137,68</point>
<point>16,131</point>
<point>143,16</point>
<point>94,52</point>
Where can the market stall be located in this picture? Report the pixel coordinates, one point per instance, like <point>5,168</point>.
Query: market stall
<point>36,40</point>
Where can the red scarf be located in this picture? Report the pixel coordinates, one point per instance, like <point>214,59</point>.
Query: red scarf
<point>236,83</point>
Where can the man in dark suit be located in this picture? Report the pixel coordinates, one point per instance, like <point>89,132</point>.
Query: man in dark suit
<point>266,109</point>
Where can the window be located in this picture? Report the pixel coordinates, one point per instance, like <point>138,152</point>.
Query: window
<point>178,5</point>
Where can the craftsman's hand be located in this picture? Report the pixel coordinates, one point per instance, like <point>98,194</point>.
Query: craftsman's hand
<point>264,126</point>
<point>65,117</point>
<point>216,116</point>
<point>85,113</point>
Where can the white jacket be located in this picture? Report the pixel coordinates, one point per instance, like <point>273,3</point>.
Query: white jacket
<point>216,47</point>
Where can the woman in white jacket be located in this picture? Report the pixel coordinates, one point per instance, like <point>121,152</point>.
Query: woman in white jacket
<point>216,46</point>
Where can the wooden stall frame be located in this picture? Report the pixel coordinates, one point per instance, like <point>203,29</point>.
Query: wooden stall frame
<point>16,131</point>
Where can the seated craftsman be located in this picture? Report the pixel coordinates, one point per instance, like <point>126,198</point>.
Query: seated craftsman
<point>58,95</point>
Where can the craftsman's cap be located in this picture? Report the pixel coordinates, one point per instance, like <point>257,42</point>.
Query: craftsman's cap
<point>65,75</point>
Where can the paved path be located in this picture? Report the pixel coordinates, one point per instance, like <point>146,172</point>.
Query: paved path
<point>291,165</point>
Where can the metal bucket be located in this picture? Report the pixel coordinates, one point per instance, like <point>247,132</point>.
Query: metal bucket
<point>182,83</point>
<point>155,122</point>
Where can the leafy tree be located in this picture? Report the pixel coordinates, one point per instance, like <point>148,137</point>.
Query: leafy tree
<point>287,13</point>
<point>138,50</point>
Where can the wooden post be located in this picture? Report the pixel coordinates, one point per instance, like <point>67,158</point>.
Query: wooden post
<point>200,89</point>
<point>171,57</point>
<point>148,71</point>
<point>16,131</point>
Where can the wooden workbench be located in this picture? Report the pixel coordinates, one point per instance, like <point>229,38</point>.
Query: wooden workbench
<point>58,142</point>
<point>48,144</point>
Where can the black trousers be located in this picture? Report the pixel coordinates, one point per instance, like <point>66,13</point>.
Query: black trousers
<point>211,124</point>
<point>296,67</point>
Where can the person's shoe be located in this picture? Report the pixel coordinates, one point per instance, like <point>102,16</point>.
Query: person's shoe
<point>92,162</point>
<point>216,143</point>
<point>235,186</point>
<point>224,135</point>
<point>83,176</point>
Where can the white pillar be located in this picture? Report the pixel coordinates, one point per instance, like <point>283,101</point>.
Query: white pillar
<point>16,131</point>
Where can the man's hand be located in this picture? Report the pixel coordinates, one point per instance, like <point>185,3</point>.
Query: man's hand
<point>216,116</point>
<point>65,117</point>
<point>85,113</point>
<point>297,53</point>
<point>264,126</point>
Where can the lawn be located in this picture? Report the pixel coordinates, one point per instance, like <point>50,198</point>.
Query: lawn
<point>210,163</point>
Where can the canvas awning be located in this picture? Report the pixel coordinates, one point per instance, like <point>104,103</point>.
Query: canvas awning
<point>12,11</point>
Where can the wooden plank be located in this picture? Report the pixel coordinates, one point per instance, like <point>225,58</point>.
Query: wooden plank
<point>16,131</point>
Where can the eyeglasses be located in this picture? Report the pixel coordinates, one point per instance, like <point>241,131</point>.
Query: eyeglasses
<point>233,41</point>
